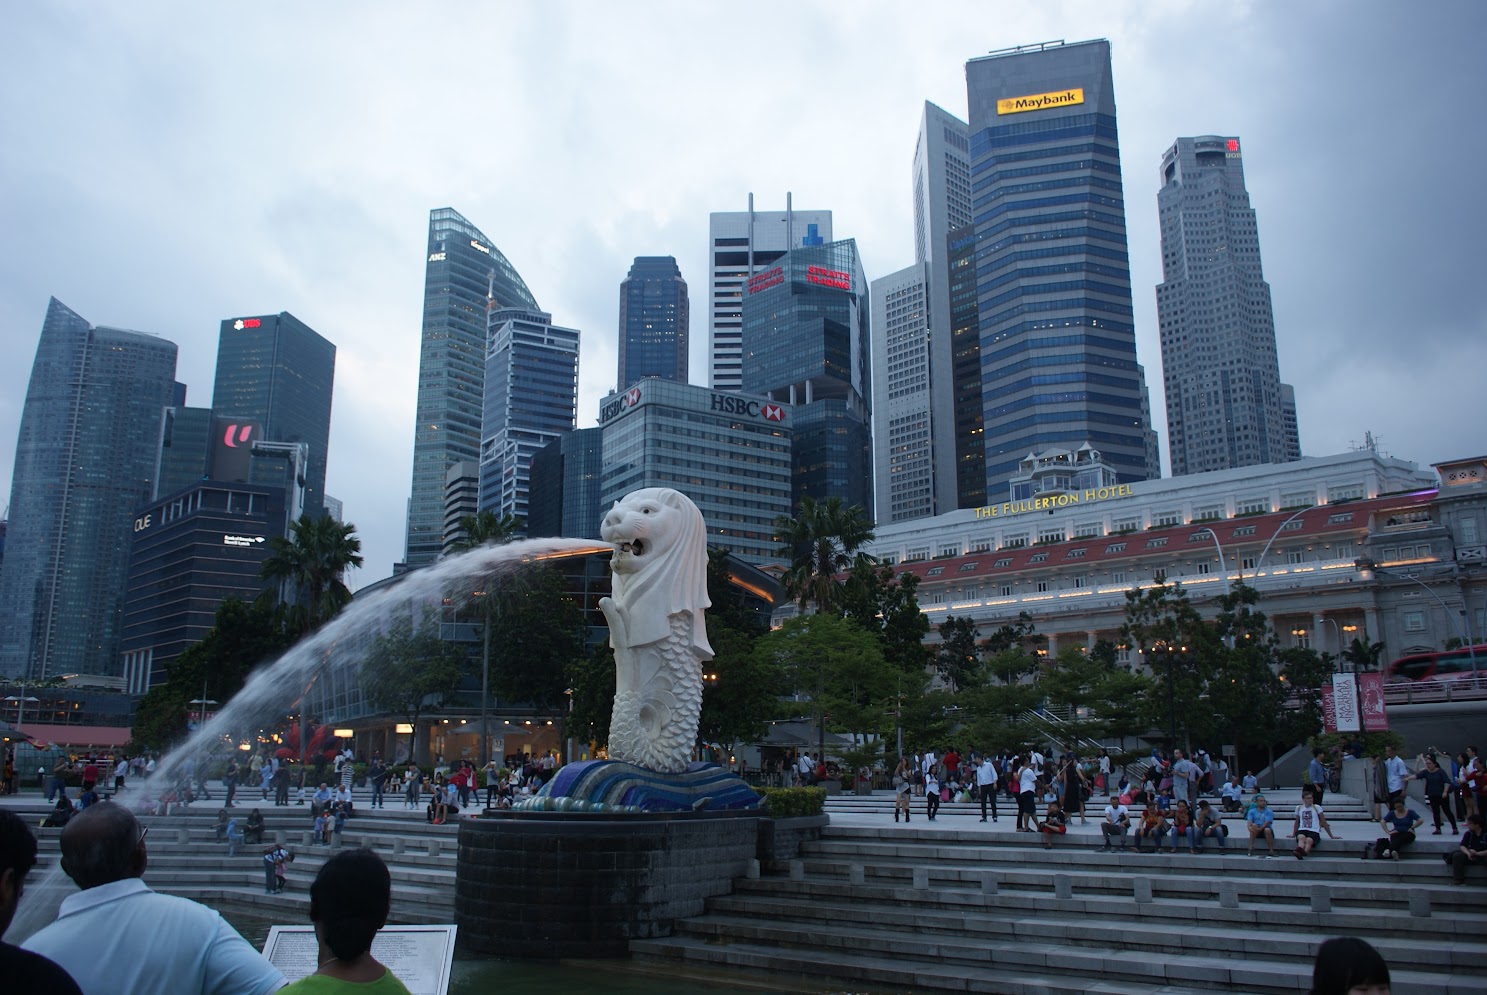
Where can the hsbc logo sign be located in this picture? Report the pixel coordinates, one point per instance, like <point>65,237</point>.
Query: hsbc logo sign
<point>732,404</point>
<point>626,401</point>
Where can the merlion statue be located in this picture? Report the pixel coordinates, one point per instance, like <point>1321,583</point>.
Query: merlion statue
<point>656,626</point>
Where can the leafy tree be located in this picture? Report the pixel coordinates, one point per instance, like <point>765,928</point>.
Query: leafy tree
<point>959,659</point>
<point>823,540</point>
<point>312,564</point>
<point>1075,682</point>
<point>1014,635</point>
<point>996,715</point>
<point>1009,666</point>
<point>887,605</point>
<point>839,665</point>
<point>487,528</point>
<point>408,668</point>
<point>243,636</point>
<point>1305,672</point>
<point>537,633</point>
<point>744,690</point>
<point>592,680</point>
<point>1181,649</point>
<point>928,717</point>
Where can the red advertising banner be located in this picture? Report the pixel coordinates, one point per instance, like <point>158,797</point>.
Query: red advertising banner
<point>1371,695</point>
<point>1329,710</point>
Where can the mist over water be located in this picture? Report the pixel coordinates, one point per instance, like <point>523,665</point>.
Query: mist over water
<point>298,678</point>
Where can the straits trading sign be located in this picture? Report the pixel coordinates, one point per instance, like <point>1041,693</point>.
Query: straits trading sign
<point>1090,495</point>
<point>1040,101</point>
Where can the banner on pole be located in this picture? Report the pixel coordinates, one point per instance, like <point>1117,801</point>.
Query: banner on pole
<point>1329,710</point>
<point>1345,703</point>
<point>1371,691</point>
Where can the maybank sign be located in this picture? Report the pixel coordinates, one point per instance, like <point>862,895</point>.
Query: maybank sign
<point>1089,495</point>
<point>1040,101</point>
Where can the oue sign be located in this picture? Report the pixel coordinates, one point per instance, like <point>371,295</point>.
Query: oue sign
<point>140,524</point>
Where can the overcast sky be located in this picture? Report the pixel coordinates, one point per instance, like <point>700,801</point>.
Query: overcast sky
<point>167,165</point>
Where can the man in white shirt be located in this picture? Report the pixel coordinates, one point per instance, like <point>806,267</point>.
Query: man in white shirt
<point>1232,794</point>
<point>1117,823</point>
<point>1395,773</point>
<point>986,779</point>
<point>806,768</point>
<point>1251,783</point>
<point>117,937</point>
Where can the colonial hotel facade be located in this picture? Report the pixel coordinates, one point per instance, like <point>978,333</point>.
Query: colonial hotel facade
<point>1357,545</point>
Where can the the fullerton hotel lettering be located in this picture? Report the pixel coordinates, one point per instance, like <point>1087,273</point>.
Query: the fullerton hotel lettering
<point>1089,495</point>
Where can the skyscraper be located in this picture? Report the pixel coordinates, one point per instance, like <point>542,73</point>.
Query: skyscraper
<point>277,372</point>
<point>654,317</point>
<point>1226,406</point>
<point>1053,283</point>
<point>466,276</point>
<point>85,460</point>
<point>566,478</point>
<point>740,244</point>
<point>531,398</point>
<point>805,342</point>
<point>942,203</point>
<point>905,426</point>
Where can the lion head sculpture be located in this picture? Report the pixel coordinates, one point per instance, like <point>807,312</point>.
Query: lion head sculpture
<point>659,565</point>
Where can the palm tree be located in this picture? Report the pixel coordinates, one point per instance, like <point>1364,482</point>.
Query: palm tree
<point>822,541</point>
<point>313,560</point>
<point>1363,655</point>
<point>486,528</point>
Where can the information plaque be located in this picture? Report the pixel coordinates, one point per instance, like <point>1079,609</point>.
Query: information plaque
<point>419,956</point>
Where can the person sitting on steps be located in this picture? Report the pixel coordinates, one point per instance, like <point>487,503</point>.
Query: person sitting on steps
<point>1054,825</point>
<point>1153,826</point>
<point>1473,849</point>
<point>1260,821</point>
<point>1306,829</point>
<point>1399,827</point>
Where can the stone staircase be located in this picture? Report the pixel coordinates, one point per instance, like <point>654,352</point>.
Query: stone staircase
<point>920,908</point>
<point>187,859</point>
<point>1339,808</point>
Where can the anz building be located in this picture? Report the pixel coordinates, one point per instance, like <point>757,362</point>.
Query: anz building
<point>728,452</point>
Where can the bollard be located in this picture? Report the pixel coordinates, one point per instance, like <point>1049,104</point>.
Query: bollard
<point>1321,898</point>
<point>856,874</point>
<point>921,878</point>
<point>280,837</point>
<point>1228,894</point>
<point>306,838</point>
<point>183,836</point>
<point>433,848</point>
<point>988,883</point>
<point>797,870</point>
<point>1142,887</point>
<point>1063,887</point>
<point>398,845</point>
<point>1420,904</point>
<point>752,871</point>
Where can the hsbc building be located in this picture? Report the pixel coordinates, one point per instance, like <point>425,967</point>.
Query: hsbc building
<point>728,452</point>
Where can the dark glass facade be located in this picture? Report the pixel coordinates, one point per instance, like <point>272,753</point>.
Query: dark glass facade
<point>1053,282</point>
<point>278,372</point>
<point>806,343</point>
<point>192,550</point>
<point>654,320</point>
<point>465,276</point>
<point>185,440</point>
<point>566,478</point>
<point>965,370</point>
<point>85,460</point>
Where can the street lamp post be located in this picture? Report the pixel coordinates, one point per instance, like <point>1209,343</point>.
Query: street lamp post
<point>1275,535</point>
<point>1223,571</point>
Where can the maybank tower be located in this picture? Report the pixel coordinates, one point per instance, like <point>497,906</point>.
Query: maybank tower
<point>1052,276</point>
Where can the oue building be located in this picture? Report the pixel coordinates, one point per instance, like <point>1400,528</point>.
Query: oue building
<point>1354,546</point>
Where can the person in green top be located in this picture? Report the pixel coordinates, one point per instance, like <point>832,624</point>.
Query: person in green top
<point>349,903</point>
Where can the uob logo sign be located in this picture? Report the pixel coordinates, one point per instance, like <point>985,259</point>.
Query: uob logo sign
<point>232,449</point>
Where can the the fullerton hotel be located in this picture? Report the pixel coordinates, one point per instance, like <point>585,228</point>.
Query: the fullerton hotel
<point>1357,545</point>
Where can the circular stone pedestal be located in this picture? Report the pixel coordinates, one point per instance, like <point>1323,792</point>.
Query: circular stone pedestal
<point>575,884</point>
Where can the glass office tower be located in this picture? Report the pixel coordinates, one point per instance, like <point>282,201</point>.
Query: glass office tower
<point>278,372</point>
<point>1053,282</point>
<point>465,276</point>
<point>85,460</point>
<point>1226,405</point>
<point>654,319</point>
<point>531,398</point>
<point>805,342</point>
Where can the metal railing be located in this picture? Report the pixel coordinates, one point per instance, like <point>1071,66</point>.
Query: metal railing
<point>1428,692</point>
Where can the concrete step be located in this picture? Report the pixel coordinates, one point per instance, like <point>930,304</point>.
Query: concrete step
<point>911,970</point>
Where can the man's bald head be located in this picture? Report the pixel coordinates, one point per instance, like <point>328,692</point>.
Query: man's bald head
<point>101,845</point>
